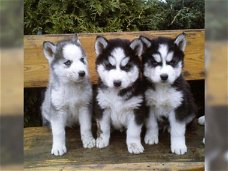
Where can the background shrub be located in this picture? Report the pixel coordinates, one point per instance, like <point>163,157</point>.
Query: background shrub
<point>64,16</point>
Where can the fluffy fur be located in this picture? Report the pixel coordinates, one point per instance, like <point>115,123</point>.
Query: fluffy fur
<point>167,94</point>
<point>119,94</point>
<point>68,95</point>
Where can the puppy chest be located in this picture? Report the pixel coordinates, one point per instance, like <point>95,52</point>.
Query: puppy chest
<point>118,104</point>
<point>119,119</point>
<point>164,98</point>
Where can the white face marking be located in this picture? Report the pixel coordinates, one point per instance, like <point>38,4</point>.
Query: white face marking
<point>157,57</point>
<point>112,61</point>
<point>109,76</point>
<point>125,61</point>
<point>169,57</point>
<point>118,54</point>
<point>154,73</point>
<point>163,50</point>
<point>73,53</point>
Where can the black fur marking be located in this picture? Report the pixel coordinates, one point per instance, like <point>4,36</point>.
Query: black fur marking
<point>141,113</point>
<point>131,91</point>
<point>188,107</point>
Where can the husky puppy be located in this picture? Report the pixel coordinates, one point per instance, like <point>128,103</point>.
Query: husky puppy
<point>119,95</point>
<point>167,93</point>
<point>69,93</point>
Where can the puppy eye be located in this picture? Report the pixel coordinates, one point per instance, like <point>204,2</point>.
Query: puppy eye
<point>68,63</point>
<point>171,62</point>
<point>154,63</point>
<point>126,67</point>
<point>82,60</point>
<point>109,66</point>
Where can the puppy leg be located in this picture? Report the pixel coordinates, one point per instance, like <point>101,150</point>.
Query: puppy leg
<point>85,122</point>
<point>177,132</point>
<point>103,126</point>
<point>151,136</point>
<point>133,136</point>
<point>58,135</point>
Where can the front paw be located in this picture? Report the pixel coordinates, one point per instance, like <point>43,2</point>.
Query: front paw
<point>88,142</point>
<point>101,142</point>
<point>135,148</point>
<point>58,149</point>
<point>151,139</point>
<point>178,148</point>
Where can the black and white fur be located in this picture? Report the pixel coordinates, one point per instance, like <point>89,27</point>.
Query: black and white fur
<point>69,93</point>
<point>167,93</point>
<point>119,94</point>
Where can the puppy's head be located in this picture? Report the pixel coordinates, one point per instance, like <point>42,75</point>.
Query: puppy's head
<point>163,58</point>
<point>118,61</point>
<point>67,60</point>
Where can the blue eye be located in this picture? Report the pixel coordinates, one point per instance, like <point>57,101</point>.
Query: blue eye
<point>68,63</point>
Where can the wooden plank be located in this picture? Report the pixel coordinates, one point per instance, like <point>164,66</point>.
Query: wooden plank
<point>38,140</point>
<point>217,75</point>
<point>166,166</point>
<point>36,66</point>
<point>12,83</point>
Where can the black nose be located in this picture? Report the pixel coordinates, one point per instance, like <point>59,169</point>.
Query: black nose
<point>164,77</point>
<point>117,83</point>
<point>81,73</point>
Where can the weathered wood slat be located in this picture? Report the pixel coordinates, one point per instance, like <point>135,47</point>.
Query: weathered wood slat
<point>37,146</point>
<point>36,66</point>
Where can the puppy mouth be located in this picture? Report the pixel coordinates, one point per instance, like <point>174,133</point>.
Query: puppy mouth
<point>78,80</point>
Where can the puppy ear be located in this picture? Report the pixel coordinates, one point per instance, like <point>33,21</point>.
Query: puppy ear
<point>146,41</point>
<point>137,46</point>
<point>100,44</point>
<point>75,39</point>
<point>49,49</point>
<point>180,41</point>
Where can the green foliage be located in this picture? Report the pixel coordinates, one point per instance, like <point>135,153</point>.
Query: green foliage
<point>62,16</point>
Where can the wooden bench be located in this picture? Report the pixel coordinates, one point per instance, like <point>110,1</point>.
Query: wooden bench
<point>37,140</point>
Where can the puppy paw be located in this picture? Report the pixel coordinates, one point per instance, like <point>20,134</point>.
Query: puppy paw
<point>151,139</point>
<point>58,149</point>
<point>178,149</point>
<point>135,148</point>
<point>88,142</point>
<point>201,120</point>
<point>101,142</point>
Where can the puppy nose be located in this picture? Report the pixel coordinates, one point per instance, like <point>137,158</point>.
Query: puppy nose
<point>117,83</point>
<point>164,77</point>
<point>81,73</point>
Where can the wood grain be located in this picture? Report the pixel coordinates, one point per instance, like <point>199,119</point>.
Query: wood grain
<point>217,74</point>
<point>38,140</point>
<point>36,66</point>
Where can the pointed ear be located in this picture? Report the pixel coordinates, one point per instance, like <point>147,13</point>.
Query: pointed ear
<point>137,46</point>
<point>49,49</point>
<point>146,41</point>
<point>180,41</point>
<point>100,44</point>
<point>75,39</point>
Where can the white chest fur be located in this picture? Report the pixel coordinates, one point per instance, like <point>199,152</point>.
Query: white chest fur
<point>70,96</point>
<point>119,108</point>
<point>163,99</point>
